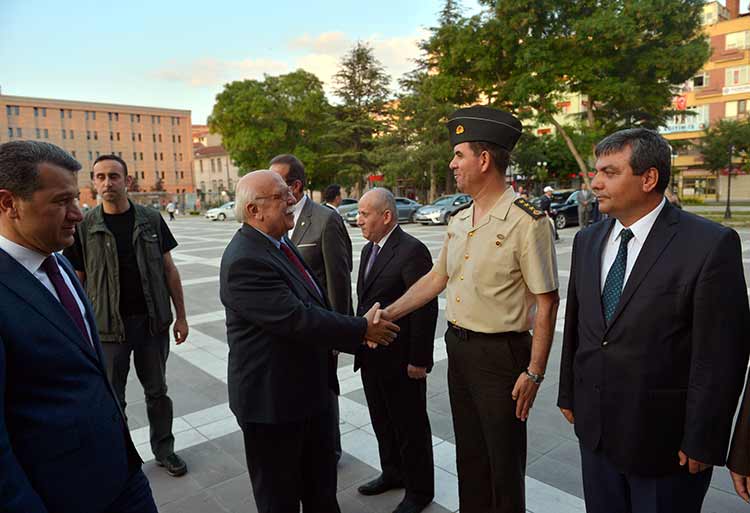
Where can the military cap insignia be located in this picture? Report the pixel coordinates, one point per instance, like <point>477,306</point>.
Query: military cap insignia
<point>459,129</point>
<point>528,208</point>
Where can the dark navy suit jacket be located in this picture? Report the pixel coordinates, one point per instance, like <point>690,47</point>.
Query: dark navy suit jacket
<point>64,444</point>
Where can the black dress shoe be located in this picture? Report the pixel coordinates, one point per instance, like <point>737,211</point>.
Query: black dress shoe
<point>379,485</point>
<point>174,465</point>
<point>409,506</point>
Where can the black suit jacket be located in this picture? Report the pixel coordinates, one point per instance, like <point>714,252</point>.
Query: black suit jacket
<point>64,445</point>
<point>401,262</point>
<point>322,239</point>
<point>666,373</point>
<point>280,333</point>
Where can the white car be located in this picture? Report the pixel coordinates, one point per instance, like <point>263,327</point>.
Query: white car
<point>222,213</point>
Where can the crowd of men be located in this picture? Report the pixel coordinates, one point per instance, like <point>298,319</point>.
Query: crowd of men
<point>655,345</point>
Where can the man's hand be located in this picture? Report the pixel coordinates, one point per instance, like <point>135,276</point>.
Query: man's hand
<point>524,394</point>
<point>180,330</point>
<point>568,414</point>
<point>384,332</point>
<point>741,485</point>
<point>694,466</point>
<point>382,314</point>
<point>416,372</point>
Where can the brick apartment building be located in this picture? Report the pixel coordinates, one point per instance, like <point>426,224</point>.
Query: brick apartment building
<point>156,143</point>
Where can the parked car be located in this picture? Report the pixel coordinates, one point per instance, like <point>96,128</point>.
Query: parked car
<point>407,209</point>
<point>347,205</point>
<point>351,217</point>
<point>441,210</point>
<point>564,207</point>
<point>222,213</point>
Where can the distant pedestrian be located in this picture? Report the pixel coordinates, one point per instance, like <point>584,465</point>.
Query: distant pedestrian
<point>585,200</point>
<point>171,209</point>
<point>545,204</point>
<point>332,197</point>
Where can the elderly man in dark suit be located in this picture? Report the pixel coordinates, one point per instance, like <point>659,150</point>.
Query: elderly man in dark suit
<point>321,237</point>
<point>394,377</point>
<point>655,345</point>
<point>280,330</point>
<point>64,444</point>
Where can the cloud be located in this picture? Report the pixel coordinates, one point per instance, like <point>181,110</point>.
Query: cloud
<point>325,43</point>
<point>211,72</point>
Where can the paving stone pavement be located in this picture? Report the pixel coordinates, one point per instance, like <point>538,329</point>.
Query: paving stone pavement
<point>208,437</point>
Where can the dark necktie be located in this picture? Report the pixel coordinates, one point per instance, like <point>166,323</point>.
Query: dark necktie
<point>66,297</point>
<point>616,276</point>
<point>371,260</point>
<point>298,264</point>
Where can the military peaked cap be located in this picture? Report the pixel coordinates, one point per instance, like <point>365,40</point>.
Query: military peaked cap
<point>484,124</point>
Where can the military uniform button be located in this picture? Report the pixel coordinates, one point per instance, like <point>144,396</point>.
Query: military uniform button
<point>498,243</point>
<point>466,256</point>
<point>605,343</point>
<point>458,299</point>
<point>462,277</point>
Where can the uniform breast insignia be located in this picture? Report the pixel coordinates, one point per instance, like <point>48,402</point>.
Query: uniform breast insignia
<point>529,208</point>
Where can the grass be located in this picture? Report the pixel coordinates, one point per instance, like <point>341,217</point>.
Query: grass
<point>739,219</point>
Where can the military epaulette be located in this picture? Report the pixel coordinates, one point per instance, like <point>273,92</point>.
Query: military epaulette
<point>529,208</point>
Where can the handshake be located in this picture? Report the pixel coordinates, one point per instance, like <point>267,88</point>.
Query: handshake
<point>379,330</point>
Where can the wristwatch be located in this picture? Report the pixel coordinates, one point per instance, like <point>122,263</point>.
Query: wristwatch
<point>536,378</point>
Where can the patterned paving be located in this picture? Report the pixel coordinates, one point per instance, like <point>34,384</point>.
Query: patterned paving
<point>208,437</point>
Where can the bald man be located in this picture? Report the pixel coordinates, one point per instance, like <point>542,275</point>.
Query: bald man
<point>279,326</point>
<point>395,377</point>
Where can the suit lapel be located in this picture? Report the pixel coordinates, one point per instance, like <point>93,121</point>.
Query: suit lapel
<point>381,261</point>
<point>362,266</point>
<point>599,241</point>
<point>30,290</point>
<point>303,222</point>
<point>658,239</point>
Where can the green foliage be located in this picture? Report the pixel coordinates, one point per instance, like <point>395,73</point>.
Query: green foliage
<point>715,145</point>
<point>259,119</point>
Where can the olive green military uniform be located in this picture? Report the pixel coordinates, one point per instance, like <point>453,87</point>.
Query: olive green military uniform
<point>494,266</point>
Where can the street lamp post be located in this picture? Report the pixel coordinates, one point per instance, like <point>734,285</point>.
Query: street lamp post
<point>728,211</point>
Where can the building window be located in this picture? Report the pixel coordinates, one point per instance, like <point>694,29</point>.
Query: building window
<point>98,154</point>
<point>213,166</point>
<point>737,76</point>
<point>36,112</point>
<point>735,108</point>
<point>173,140</point>
<point>180,157</point>
<point>64,134</point>
<point>19,132</point>
<point>96,135</point>
<point>62,113</point>
<point>179,138</point>
<point>73,153</point>
<point>16,110</point>
<point>153,119</point>
<point>93,115</point>
<point>110,115</point>
<point>161,156</point>
<point>70,114</point>
<point>72,135</point>
<point>91,156</point>
<point>87,115</point>
<point>141,155</point>
<point>117,116</point>
<point>132,118</point>
<point>162,175</point>
<point>139,137</point>
<point>738,40</point>
<point>156,156</point>
<point>10,132</point>
<point>138,118</point>
<point>46,133</point>
<point>143,175</point>
<point>38,133</point>
<point>118,136</point>
<point>111,135</point>
<point>200,165</point>
<point>218,164</point>
<point>159,137</point>
<point>135,156</point>
<point>132,136</point>
<point>158,122</point>
<point>153,136</point>
<point>182,174</point>
<point>44,112</point>
<point>174,156</point>
<point>8,110</point>
<point>178,121</point>
<point>700,80</point>
<point>88,135</point>
<point>119,154</point>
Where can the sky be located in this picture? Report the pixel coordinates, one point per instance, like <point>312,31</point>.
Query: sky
<point>179,53</point>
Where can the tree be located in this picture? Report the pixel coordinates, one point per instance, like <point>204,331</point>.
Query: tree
<point>259,119</point>
<point>361,84</point>
<point>624,56</point>
<point>714,147</point>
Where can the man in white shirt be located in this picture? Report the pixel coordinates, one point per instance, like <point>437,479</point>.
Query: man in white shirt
<point>64,444</point>
<point>654,350</point>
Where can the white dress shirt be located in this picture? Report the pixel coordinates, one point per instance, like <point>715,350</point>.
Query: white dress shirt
<point>32,261</point>
<point>640,229</point>
<point>382,241</point>
<point>297,211</point>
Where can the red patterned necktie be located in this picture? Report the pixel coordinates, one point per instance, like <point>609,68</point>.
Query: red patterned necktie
<point>298,264</point>
<point>66,297</point>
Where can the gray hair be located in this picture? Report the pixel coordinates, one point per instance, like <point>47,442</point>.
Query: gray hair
<point>648,149</point>
<point>19,165</point>
<point>244,196</point>
<point>385,201</point>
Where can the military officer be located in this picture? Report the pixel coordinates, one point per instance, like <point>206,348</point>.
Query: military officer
<point>499,267</point>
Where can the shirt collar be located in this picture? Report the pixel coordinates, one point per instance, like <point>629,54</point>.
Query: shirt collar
<point>30,259</point>
<point>382,241</point>
<point>275,242</point>
<point>300,204</point>
<point>642,227</point>
<point>499,209</point>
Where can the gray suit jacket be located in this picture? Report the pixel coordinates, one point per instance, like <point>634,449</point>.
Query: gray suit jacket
<point>323,242</point>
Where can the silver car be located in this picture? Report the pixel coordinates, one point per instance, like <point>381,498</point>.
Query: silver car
<point>222,213</point>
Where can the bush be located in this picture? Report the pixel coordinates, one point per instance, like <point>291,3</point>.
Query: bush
<point>195,212</point>
<point>692,200</point>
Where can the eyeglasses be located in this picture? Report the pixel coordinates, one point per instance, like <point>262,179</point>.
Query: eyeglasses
<point>276,197</point>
